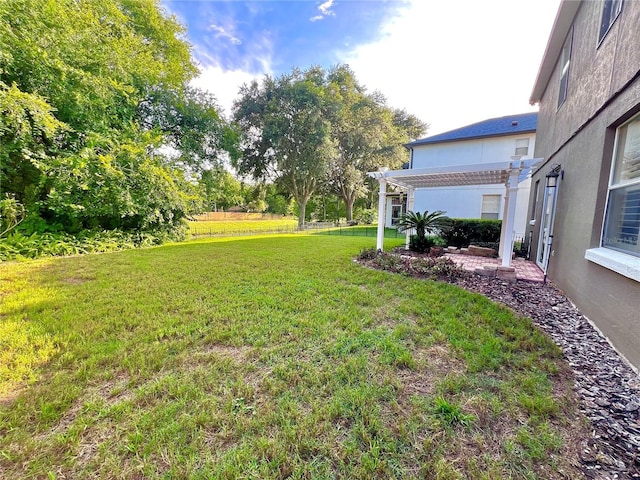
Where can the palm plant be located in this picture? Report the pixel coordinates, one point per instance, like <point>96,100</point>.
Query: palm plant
<point>423,223</point>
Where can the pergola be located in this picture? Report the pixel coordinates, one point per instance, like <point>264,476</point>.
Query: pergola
<point>409,180</point>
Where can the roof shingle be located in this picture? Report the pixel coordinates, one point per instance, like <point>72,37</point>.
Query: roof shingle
<point>509,125</point>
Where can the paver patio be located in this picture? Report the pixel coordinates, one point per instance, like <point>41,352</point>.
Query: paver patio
<point>525,269</point>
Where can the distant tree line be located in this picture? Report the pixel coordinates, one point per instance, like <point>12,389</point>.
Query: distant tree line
<point>100,128</point>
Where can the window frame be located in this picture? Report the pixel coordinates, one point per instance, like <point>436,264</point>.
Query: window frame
<point>618,185</point>
<point>565,69</point>
<point>528,141</point>
<point>613,16</point>
<point>482,212</point>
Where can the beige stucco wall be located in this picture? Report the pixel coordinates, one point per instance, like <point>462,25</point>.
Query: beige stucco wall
<point>579,137</point>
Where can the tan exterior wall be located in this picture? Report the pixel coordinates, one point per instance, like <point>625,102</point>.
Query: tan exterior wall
<point>579,137</point>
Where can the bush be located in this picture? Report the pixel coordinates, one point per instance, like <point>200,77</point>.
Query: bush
<point>18,245</point>
<point>368,254</point>
<point>462,232</point>
<point>442,268</point>
<point>420,245</point>
<point>366,216</point>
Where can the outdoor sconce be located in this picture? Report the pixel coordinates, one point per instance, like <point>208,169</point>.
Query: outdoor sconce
<point>553,175</point>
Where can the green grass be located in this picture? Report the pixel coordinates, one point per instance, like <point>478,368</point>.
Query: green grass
<point>231,227</point>
<point>269,357</point>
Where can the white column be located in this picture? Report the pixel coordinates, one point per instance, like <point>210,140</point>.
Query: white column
<point>512,196</point>
<point>503,226</point>
<point>410,203</point>
<point>382,216</point>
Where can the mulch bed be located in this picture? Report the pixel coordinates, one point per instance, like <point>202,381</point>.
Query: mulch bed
<point>608,388</point>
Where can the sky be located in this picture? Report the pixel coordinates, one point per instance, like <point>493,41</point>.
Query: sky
<point>451,63</point>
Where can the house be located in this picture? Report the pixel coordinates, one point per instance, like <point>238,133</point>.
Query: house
<point>489,141</point>
<point>585,197</point>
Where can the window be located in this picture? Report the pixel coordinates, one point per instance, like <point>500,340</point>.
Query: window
<point>622,218</point>
<point>491,206</point>
<point>397,209</point>
<point>522,146</point>
<point>565,59</point>
<point>536,196</point>
<point>610,11</point>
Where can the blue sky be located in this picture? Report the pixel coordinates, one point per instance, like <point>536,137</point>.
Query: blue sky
<point>450,63</point>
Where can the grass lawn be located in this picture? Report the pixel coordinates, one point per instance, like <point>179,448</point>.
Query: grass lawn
<point>270,357</point>
<point>230,227</point>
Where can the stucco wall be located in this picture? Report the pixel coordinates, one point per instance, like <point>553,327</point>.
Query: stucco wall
<point>579,137</point>
<point>486,150</point>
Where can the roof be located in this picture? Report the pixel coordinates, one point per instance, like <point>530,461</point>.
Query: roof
<point>493,127</point>
<point>561,26</point>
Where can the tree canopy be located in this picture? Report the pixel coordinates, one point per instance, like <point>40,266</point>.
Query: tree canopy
<point>287,134</point>
<point>315,127</point>
<point>90,90</point>
<point>367,132</point>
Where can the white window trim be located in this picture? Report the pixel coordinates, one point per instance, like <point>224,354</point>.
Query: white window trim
<point>621,263</point>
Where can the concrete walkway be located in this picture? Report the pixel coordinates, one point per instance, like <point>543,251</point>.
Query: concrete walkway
<point>525,270</point>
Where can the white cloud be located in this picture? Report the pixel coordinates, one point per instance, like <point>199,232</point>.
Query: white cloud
<point>222,33</point>
<point>224,84</point>
<point>325,10</point>
<point>452,67</point>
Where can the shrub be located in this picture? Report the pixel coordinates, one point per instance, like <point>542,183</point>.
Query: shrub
<point>420,245</point>
<point>442,268</point>
<point>18,245</point>
<point>366,216</point>
<point>422,223</point>
<point>368,254</point>
<point>462,232</point>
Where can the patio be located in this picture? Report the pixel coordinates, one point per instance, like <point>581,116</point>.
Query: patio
<point>525,269</point>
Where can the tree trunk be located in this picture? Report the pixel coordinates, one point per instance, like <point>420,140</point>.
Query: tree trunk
<point>302,206</point>
<point>348,203</point>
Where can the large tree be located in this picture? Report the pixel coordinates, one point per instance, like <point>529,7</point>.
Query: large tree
<point>286,132</point>
<point>89,92</point>
<point>368,135</point>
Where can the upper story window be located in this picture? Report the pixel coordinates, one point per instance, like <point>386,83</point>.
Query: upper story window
<point>622,219</point>
<point>491,206</point>
<point>522,146</point>
<point>610,11</point>
<point>565,60</point>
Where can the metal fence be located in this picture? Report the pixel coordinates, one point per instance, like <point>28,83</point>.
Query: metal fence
<point>325,228</point>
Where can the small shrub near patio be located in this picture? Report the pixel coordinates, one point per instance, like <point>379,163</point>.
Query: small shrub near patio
<point>440,268</point>
<point>422,223</point>
<point>368,254</point>
<point>462,232</point>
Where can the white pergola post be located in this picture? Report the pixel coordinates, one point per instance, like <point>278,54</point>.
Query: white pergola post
<point>503,226</point>
<point>382,214</point>
<point>410,203</point>
<point>512,196</point>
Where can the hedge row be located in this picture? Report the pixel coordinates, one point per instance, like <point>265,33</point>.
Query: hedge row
<point>462,232</point>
